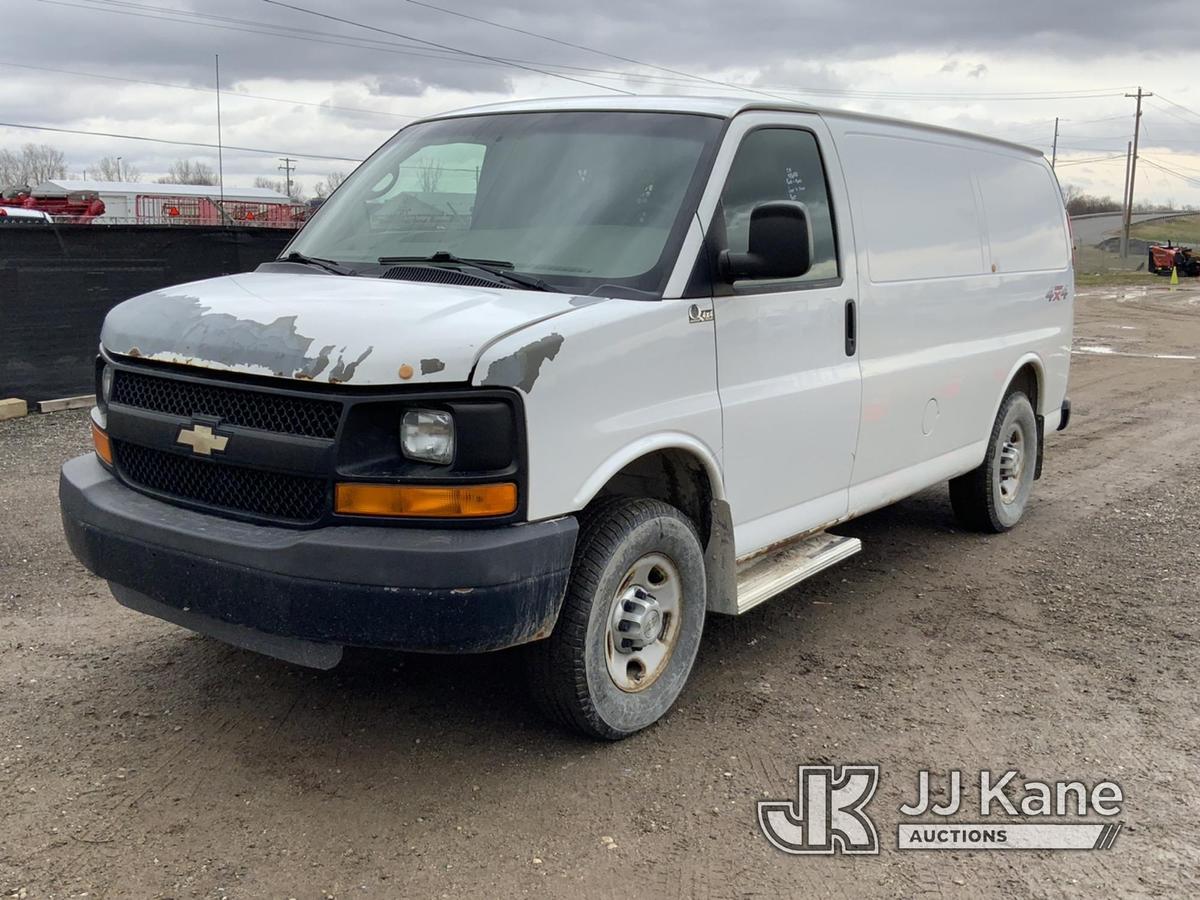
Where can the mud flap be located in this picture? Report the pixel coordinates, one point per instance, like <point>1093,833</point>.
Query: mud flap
<point>1041,439</point>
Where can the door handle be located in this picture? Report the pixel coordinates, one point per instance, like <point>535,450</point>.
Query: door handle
<point>851,328</point>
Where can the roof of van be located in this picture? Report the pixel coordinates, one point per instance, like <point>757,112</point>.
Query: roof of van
<point>725,107</point>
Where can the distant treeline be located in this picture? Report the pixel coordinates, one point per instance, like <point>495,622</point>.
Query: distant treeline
<point>1082,204</point>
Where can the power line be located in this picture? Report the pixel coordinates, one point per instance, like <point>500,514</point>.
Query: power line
<point>200,144</point>
<point>333,18</point>
<point>1186,109</point>
<point>1094,159</point>
<point>1188,178</point>
<point>726,84</point>
<point>1174,115</point>
<point>203,90</point>
<point>138,137</point>
<point>293,33</point>
<point>1183,168</point>
<point>564,43</point>
<point>190,18</point>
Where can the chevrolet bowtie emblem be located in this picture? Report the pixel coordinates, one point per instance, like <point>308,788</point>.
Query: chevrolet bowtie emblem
<point>202,440</point>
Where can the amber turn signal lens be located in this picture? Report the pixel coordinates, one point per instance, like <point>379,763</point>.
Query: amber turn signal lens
<point>102,444</point>
<point>426,502</point>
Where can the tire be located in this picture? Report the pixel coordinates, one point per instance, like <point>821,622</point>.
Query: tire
<point>993,497</point>
<point>624,546</point>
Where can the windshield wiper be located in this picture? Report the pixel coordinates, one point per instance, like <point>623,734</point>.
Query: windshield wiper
<point>328,265</point>
<point>497,268</point>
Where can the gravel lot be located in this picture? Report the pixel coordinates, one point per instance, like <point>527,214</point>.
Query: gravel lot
<point>137,760</point>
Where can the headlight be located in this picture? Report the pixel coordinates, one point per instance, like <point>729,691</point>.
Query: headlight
<point>428,436</point>
<point>106,385</point>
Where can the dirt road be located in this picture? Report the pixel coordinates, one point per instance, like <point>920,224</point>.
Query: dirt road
<point>137,760</point>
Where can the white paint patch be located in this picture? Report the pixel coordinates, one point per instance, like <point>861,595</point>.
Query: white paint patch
<point>1098,350</point>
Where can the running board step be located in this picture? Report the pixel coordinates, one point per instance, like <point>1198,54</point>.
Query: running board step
<point>762,577</point>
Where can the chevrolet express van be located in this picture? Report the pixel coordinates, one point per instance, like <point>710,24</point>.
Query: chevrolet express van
<point>576,373</point>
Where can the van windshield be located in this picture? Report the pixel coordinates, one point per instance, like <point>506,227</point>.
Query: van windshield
<point>588,202</point>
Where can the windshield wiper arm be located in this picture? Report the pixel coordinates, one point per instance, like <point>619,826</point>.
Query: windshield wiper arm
<point>498,268</point>
<point>328,265</point>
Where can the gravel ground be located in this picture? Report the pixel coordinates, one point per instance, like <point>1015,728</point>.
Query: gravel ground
<point>138,760</point>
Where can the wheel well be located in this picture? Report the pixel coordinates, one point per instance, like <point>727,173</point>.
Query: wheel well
<point>673,476</point>
<point>1026,380</point>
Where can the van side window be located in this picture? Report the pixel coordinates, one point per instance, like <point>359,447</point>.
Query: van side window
<point>781,164</point>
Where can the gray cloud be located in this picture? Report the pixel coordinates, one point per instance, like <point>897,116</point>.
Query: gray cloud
<point>675,33</point>
<point>817,45</point>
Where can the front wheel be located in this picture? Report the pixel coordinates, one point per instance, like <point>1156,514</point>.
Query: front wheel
<point>993,497</point>
<point>630,624</point>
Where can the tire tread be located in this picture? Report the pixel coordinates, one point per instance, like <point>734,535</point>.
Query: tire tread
<point>971,495</point>
<point>557,675</point>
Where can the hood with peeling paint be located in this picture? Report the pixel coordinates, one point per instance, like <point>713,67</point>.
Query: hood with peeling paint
<point>361,331</point>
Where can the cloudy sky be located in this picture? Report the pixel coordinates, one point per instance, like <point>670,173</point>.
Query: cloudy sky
<point>328,92</point>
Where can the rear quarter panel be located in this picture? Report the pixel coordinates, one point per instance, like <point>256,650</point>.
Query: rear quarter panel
<point>965,273</point>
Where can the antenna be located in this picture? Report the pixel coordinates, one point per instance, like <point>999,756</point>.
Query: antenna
<point>220,146</point>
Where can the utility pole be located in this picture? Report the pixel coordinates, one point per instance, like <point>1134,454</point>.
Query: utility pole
<point>1125,199</point>
<point>1054,152</point>
<point>1137,124</point>
<point>289,166</point>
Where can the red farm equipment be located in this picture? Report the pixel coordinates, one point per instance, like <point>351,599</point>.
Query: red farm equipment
<point>1165,259</point>
<point>71,208</point>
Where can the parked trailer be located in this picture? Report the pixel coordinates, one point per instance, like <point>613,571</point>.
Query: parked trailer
<point>165,209</point>
<point>77,208</point>
<point>144,203</point>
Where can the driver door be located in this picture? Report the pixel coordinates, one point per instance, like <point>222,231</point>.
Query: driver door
<point>788,372</point>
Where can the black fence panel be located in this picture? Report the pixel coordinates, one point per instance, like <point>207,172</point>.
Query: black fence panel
<point>57,284</point>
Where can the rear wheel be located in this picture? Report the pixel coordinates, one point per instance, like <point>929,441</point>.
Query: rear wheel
<point>630,624</point>
<point>993,497</point>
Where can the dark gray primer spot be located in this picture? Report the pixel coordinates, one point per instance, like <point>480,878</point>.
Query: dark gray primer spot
<point>317,366</point>
<point>586,301</point>
<point>431,366</point>
<point>345,371</point>
<point>521,369</point>
<point>179,325</point>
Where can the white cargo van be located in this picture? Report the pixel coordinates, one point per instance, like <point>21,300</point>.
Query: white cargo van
<point>574,374</point>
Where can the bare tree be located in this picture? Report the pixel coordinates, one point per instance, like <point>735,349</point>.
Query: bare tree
<point>33,165</point>
<point>329,184</point>
<point>280,187</point>
<point>270,184</point>
<point>10,170</point>
<point>110,168</point>
<point>189,171</point>
<point>1070,191</point>
<point>429,175</point>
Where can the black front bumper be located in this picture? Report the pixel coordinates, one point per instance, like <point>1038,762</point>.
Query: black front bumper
<point>422,589</point>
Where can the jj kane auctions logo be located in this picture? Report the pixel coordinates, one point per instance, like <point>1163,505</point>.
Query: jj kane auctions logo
<point>829,814</point>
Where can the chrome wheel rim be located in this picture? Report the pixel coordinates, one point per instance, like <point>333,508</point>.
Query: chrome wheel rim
<point>643,623</point>
<point>1011,469</point>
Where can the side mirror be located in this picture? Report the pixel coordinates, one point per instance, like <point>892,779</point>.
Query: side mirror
<point>780,244</point>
